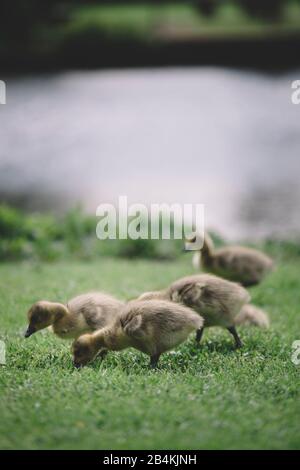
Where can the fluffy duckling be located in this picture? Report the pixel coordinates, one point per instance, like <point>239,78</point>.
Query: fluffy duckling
<point>85,313</point>
<point>153,327</point>
<point>251,315</point>
<point>219,301</point>
<point>236,263</point>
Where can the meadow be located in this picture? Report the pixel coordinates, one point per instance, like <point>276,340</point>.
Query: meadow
<point>208,398</point>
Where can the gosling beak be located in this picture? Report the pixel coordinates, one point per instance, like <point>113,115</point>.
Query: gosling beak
<point>29,331</point>
<point>190,245</point>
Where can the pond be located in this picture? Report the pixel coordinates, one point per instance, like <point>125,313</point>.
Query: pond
<point>225,138</point>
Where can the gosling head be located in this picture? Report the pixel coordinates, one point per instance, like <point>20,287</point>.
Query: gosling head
<point>40,315</point>
<point>194,243</point>
<point>83,351</point>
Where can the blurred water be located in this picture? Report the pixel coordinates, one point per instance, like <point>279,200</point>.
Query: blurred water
<point>225,138</point>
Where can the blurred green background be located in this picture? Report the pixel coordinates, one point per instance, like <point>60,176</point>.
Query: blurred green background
<point>98,33</point>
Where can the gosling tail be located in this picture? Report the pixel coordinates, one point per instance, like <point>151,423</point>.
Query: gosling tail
<point>253,316</point>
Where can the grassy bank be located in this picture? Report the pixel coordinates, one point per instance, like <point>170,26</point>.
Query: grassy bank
<point>212,398</point>
<point>48,237</point>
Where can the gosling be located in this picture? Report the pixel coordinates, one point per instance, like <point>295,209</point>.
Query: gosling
<point>153,327</point>
<point>219,301</point>
<point>236,263</point>
<point>83,314</point>
<point>251,315</point>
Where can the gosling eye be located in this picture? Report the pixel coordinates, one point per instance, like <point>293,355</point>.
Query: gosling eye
<point>77,352</point>
<point>38,317</point>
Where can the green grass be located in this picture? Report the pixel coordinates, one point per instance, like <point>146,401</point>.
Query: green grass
<point>212,398</point>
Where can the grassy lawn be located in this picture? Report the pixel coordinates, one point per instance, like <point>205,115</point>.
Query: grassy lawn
<point>211,398</point>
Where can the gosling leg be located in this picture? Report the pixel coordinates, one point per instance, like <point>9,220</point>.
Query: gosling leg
<point>238,342</point>
<point>199,334</point>
<point>102,354</point>
<point>154,360</point>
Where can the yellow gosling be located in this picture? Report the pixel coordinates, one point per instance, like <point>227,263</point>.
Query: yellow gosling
<point>153,327</point>
<point>85,313</point>
<point>236,263</point>
<point>217,300</point>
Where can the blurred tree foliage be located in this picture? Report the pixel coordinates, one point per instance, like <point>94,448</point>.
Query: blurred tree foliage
<point>261,9</point>
<point>206,7</point>
<point>46,34</point>
<point>264,9</point>
<point>19,19</point>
